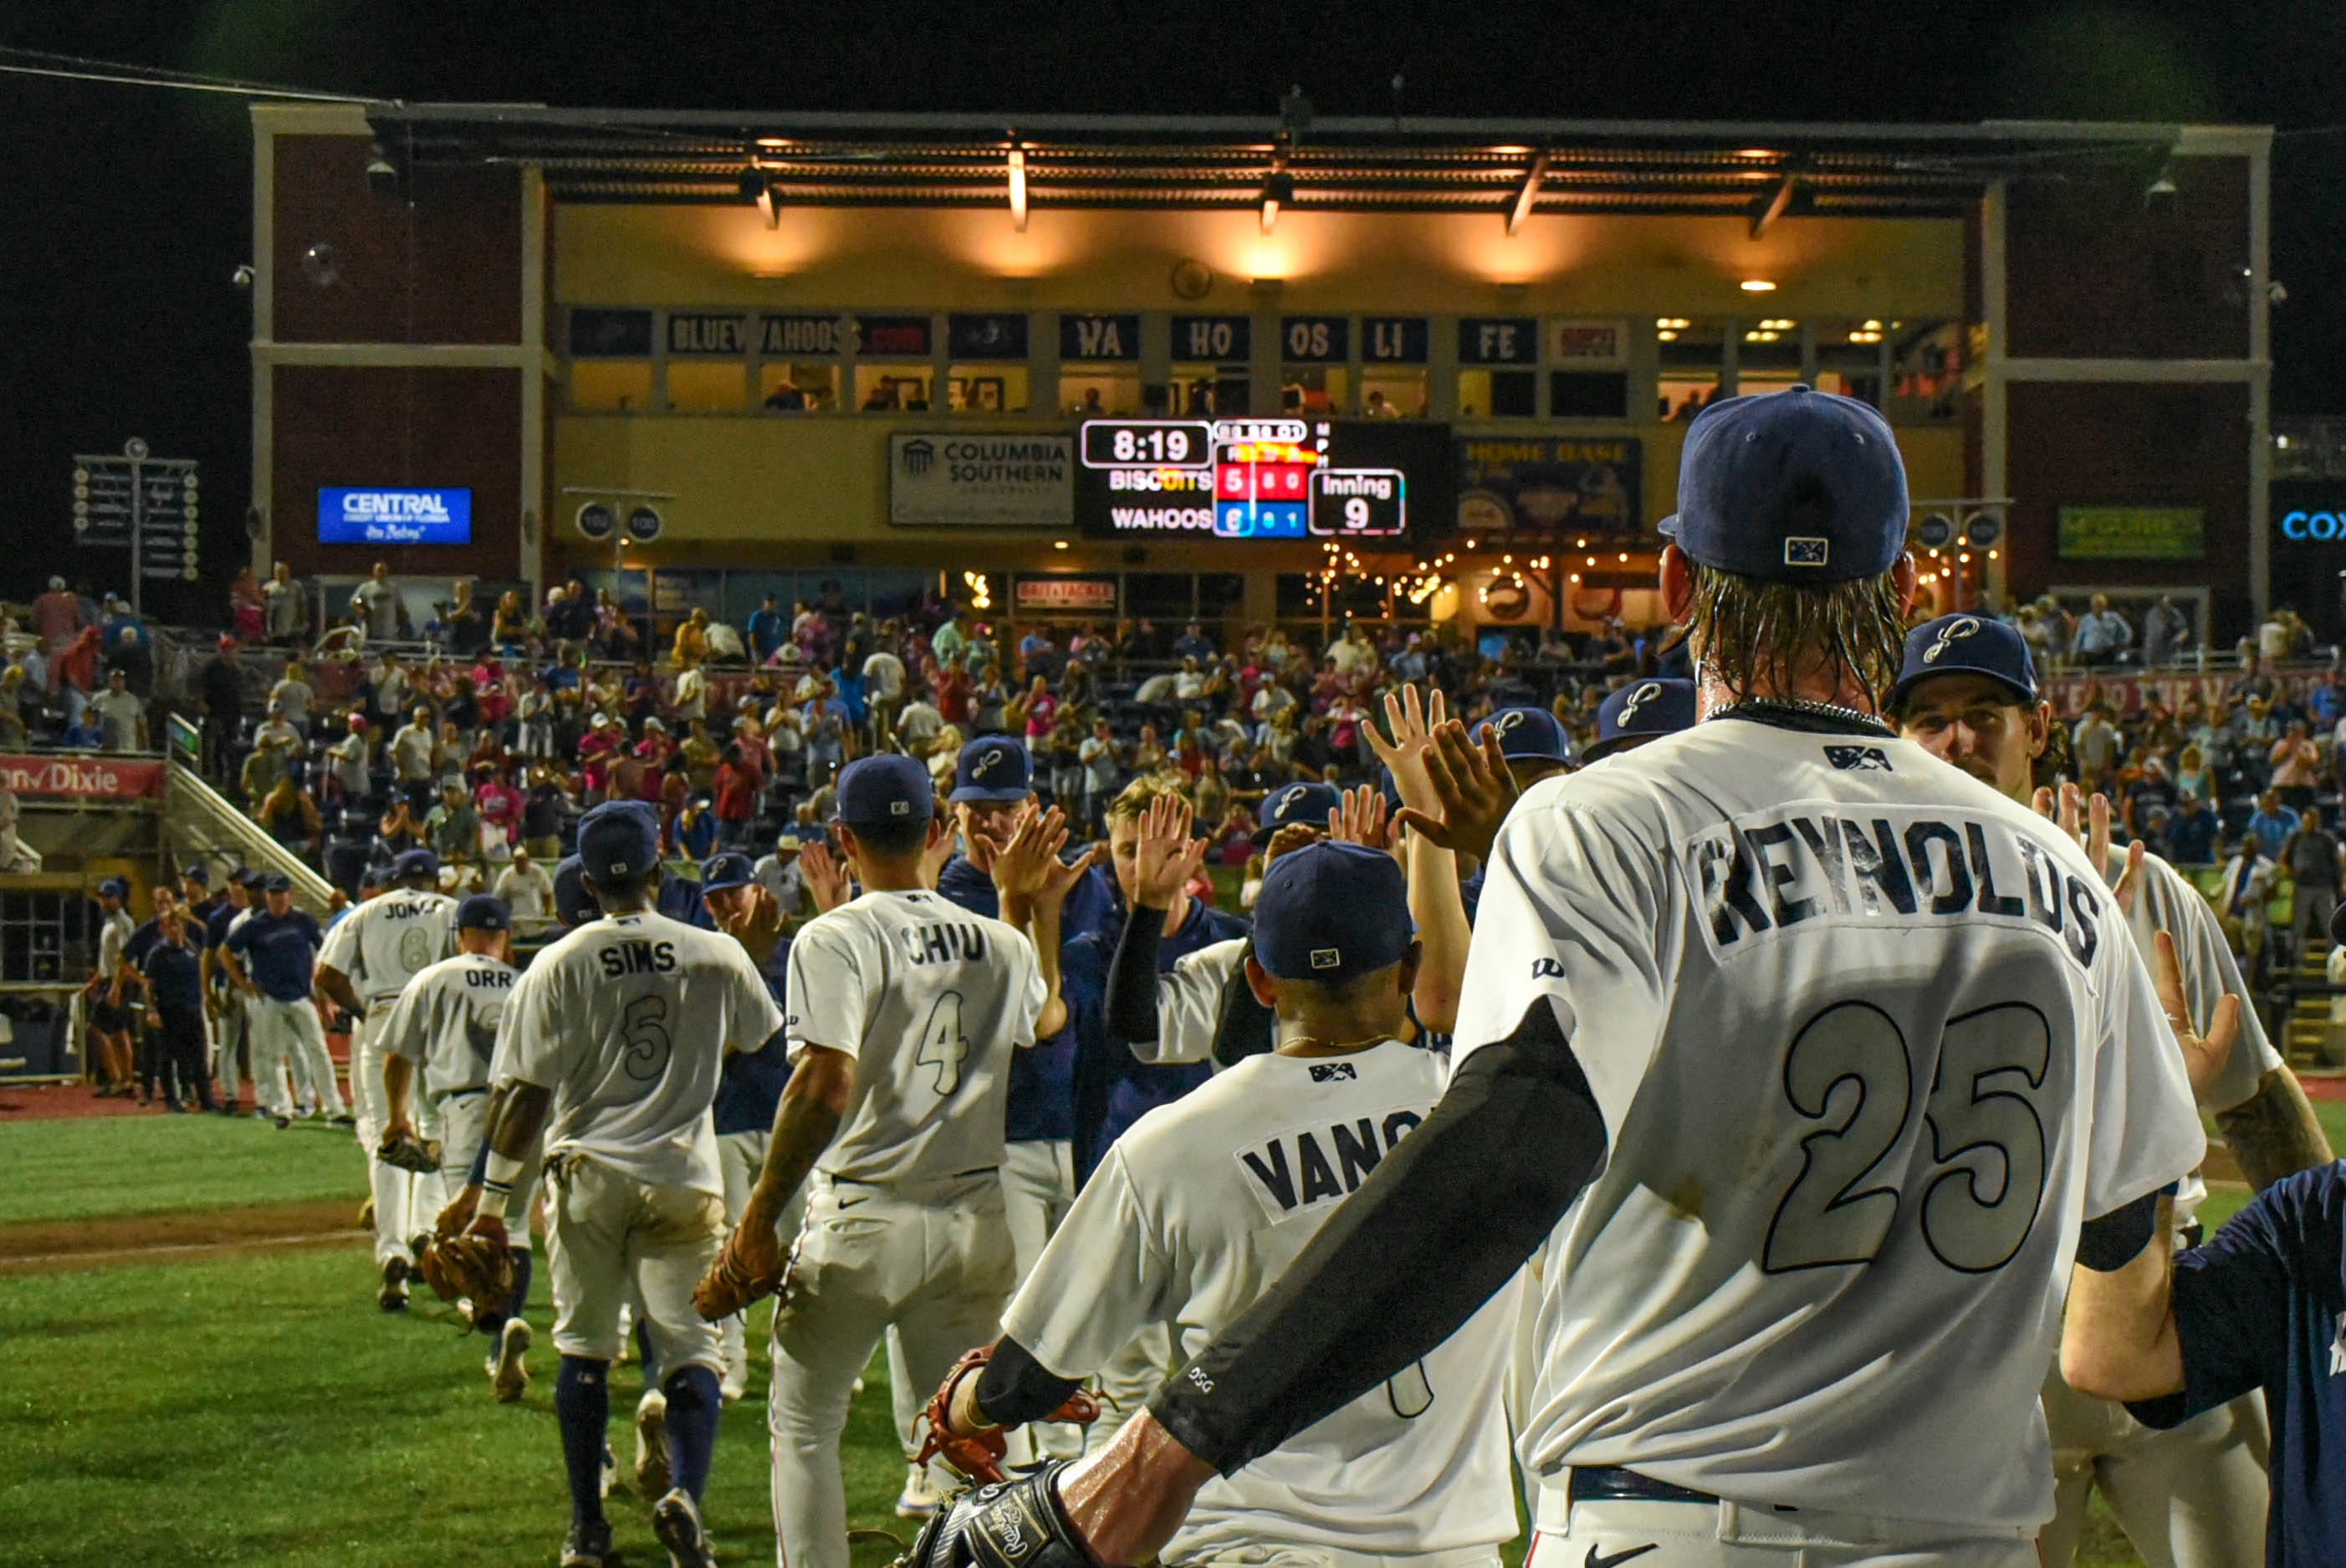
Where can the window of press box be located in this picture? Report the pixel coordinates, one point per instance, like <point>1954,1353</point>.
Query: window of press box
<point>1690,353</point>
<point>1588,394</point>
<point>1090,392</point>
<point>1220,595</point>
<point>1850,352</point>
<point>1767,354</point>
<point>1209,390</point>
<point>891,389</point>
<point>707,386</point>
<point>1313,391</point>
<point>810,387</point>
<point>986,389</point>
<point>1498,394</point>
<point>1389,392</point>
<point>1168,598</point>
<point>1926,370</point>
<point>610,386</point>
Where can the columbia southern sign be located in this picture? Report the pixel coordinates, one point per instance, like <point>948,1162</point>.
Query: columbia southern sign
<point>966,480</point>
<point>372,517</point>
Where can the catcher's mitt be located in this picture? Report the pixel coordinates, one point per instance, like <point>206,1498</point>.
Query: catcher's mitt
<point>404,1150</point>
<point>980,1457</point>
<point>470,1266</point>
<point>1010,1524</point>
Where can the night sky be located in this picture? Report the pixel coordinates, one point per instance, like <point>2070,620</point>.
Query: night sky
<point>128,208</point>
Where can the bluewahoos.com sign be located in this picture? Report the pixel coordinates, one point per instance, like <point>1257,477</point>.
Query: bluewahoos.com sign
<point>1003,479</point>
<point>372,517</point>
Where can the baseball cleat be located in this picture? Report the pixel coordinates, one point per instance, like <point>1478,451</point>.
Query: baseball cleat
<point>651,1445</point>
<point>366,1215</point>
<point>676,1520</point>
<point>587,1545</point>
<point>919,1499</point>
<point>610,1471</point>
<point>509,1371</point>
<point>393,1297</point>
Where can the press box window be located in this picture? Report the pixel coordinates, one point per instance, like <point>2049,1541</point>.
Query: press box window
<point>1849,352</point>
<point>1588,394</point>
<point>810,388</point>
<point>1089,392</point>
<point>610,386</point>
<point>1210,389</point>
<point>987,389</point>
<point>1690,353</point>
<point>707,386</point>
<point>1392,392</point>
<point>1768,358</point>
<point>1498,394</point>
<point>891,389</point>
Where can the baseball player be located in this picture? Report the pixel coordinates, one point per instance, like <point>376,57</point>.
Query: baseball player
<point>1820,1062</point>
<point>371,955</point>
<point>611,1049</point>
<point>232,1021</point>
<point>172,967</point>
<point>904,1011</point>
<point>2194,1495</point>
<point>1204,1202</point>
<point>109,1022</point>
<point>270,956</point>
<point>444,1025</point>
<point>1641,711</point>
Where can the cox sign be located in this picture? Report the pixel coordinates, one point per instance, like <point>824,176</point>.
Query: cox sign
<point>2300,525</point>
<point>373,516</point>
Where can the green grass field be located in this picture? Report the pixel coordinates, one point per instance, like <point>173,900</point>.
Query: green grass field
<point>254,1409</point>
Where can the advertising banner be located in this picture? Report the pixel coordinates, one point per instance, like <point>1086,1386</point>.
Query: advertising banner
<point>348,516</point>
<point>965,479</point>
<point>1549,486</point>
<point>1089,595</point>
<point>83,778</point>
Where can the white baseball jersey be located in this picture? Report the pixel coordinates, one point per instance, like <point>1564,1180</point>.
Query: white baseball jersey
<point>445,1022</point>
<point>388,941</point>
<point>1189,1003</point>
<point>628,1021</point>
<point>1868,1048</point>
<point>114,932</point>
<point>1193,1214</point>
<point>930,1000</point>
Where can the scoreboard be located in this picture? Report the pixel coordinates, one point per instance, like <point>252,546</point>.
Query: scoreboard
<point>1247,478</point>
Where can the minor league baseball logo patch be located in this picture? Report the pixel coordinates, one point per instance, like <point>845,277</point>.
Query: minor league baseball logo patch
<point>1327,958</point>
<point>1333,1072</point>
<point>1805,552</point>
<point>1639,699</point>
<point>1953,632</point>
<point>1859,759</point>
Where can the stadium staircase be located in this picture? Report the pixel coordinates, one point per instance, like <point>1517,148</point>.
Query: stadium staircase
<point>199,824</point>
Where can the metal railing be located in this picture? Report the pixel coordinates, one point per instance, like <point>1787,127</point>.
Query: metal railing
<point>199,823</point>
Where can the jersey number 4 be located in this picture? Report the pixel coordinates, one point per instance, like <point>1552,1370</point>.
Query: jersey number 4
<point>942,1044</point>
<point>1848,1069</point>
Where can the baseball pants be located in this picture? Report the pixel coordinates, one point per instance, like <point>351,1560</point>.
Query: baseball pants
<point>740,1157</point>
<point>1730,1535</point>
<point>297,1040</point>
<point>612,1243</point>
<point>1262,1553</point>
<point>462,1122</point>
<point>179,1044</point>
<point>932,1258</point>
<point>2190,1497</point>
<point>404,1204</point>
<point>1038,1187</point>
<point>232,1037</point>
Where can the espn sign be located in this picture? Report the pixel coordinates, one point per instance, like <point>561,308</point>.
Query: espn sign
<point>1090,596</point>
<point>83,778</point>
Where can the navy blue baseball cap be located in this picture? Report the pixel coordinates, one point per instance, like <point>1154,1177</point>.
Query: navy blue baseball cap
<point>993,768</point>
<point>482,912</point>
<point>373,877</point>
<point>574,905</point>
<point>1331,911</point>
<point>278,882</point>
<point>730,869</point>
<point>1290,804</point>
<point>1526,735</point>
<point>883,788</point>
<point>414,864</point>
<point>113,888</point>
<point>245,877</point>
<point>1966,645</point>
<point>1798,486</point>
<point>196,874</point>
<point>618,839</point>
<point>1641,709</point>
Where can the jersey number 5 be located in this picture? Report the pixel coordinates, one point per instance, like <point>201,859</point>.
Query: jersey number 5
<point>1848,1069</point>
<point>643,1030</point>
<point>942,1044</point>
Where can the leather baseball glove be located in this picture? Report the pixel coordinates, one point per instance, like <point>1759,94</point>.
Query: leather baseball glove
<point>740,1274</point>
<point>475,1265</point>
<point>1009,1524</point>
<point>400,1147</point>
<point>980,1457</point>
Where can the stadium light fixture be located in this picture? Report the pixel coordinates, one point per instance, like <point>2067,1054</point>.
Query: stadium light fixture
<point>1278,191</point>
<point>1018,189</point>
<point>1758,285</point>
<point>1527,193</point>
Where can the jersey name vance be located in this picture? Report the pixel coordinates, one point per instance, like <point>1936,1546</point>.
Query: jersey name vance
<point>941,942</point>
<point>1297,1170</point>
<point>637,956</point>
<point>1778,869</point>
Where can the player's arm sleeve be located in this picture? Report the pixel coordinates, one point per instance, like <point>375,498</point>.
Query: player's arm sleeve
<point>827,983</point>
<point>1034,992</point>
<point>1132,983</point>
<point>751,1019</point>
<point>2210,973</point>
<point>529,1036</point>
<point>1100,1281</point>
<point>2144,1133</point>
<point>2231,1296</point>
<point>341,951</point>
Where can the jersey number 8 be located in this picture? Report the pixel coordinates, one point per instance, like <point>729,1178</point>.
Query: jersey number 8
<point>1985,1135</point>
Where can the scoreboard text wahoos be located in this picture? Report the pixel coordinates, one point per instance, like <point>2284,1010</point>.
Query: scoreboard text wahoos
<point>1268,478</point>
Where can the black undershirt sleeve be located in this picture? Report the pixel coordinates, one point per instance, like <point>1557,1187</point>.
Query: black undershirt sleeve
<point>2110,1242</point>
<point>1016,1389</point>
<point>1132,978</point>
<point>1442,1224</point>
<point>1246,1027</point>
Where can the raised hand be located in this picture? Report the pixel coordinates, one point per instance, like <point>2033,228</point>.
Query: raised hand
<point>1412,738</point>
<point>1472,787</point>
<point>756,922</point>
<point>1022,862</point>
<point>826,879</point>
<point>1361,819</point>
<point>1060,877</point>
<point>2094,835</point>
<point>2205,1057</point>
<point>1165,857</point>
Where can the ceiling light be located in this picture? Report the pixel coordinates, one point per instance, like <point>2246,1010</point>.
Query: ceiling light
<point>1527,193</point>
<point>1278,190</point>
<point>1669,337</point>
<point>1758,285</point>
<point>1018,189</point>
<point>1872,325</point>
<point>1058,543</point>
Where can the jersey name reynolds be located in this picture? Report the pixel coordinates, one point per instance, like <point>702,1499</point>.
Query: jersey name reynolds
<point>1776,869</point>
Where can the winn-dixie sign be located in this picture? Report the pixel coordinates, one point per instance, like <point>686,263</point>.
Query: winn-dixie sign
<point>83,778</point>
